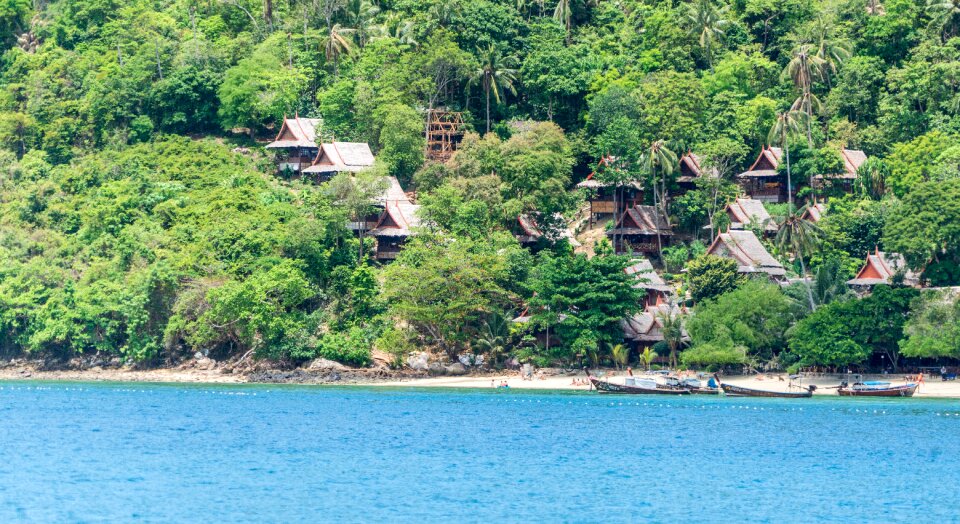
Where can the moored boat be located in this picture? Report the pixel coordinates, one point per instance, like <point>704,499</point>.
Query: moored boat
<point>737,391</point>
<point>876,389</point>
<point>604,386</point>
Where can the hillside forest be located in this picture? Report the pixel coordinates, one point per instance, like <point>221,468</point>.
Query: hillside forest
<point>141,217</point>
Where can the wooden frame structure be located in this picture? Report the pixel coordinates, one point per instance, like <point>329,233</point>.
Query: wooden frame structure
<point>444,133</point>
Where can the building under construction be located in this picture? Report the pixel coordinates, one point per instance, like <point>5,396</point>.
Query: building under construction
<point>444,132</point>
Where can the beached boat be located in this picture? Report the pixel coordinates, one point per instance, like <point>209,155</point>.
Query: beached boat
<point>737,391</point>
<point>639,387</point>
<point>876,389</point>
<point>696,387</point>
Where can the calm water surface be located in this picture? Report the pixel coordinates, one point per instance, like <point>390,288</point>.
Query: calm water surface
<point>173,453</point>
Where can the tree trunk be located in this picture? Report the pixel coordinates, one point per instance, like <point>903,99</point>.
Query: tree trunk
<point>656,221</point>
<point>268,14</point>
<point>803,269</point>
<point>486,82</point>
<point>786,150</point>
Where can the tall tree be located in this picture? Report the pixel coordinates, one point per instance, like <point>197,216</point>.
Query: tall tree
<point>801,238</point>
<point>659,157</point>
<point>805,65</point>
<point>707,22</point>
<point>497,73</point>
<point>563,14</point>
<point>787,124</point>
<point>944,13</point>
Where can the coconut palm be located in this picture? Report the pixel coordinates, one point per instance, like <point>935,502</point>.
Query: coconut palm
<point>707,22</point>
<point>832,50</point>
<point>563,14</point>
<point>620,355</point>
<point>659,156</point>
<point>799,237</point>
<point>494,337</point>
<point>804,66</point>
<point>944,13</point>
<point>788,123</point>
<point>872,178</point>
<point>671,325</point>
<point>647,357</point>
<point>396,26</point>
<point>336,43</point>
<point>496,73</point>
<point>361,14</point>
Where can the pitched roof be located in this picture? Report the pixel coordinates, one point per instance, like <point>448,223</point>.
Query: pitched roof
<point>815,212</point>
<point>641,220</point>
<point>399,215</point>
<point>297,132</point>
<point>746,211</point>
<point>745,248</point>
<point>880,268</point>
<point>592,182</point>
<point>691,167</point>
<point>338,157</point>
<point>532,233</point>
<point>765,164</point>
<point>646,326</point>
<point>852,160</point>
<point>647,277</point>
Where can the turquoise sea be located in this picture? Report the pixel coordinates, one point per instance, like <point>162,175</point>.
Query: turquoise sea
<point>175,453</point>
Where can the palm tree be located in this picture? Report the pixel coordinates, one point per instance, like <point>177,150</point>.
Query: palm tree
<point>671,325</point>
<point>706,23</point>
<point>801,238</point>
<point>831,50</point>
<point>944,12</point>
<point>647,357</point>
<point>496,73</point>
<point>787,123</point>
<point>659,156</point>
<point>336,44</point>
<point>563,14</point>
<point>620,355</point>
<point>396,26</point>
<point>802,68</point>
<point>494,337</point>
<point>361,14</point>
<point>872,178</point>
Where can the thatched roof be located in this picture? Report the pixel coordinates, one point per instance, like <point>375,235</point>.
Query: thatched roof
<point>531,232</point>
<point>399,215</point>
<point>815,212</point>
<point>647,277</point>
<point>746,249</point>
<point>340,157</point>
<point>766,163</point>
<point>691,168</point>
<point>745,212</point>
<point>641,220</point>
<point>297,132</point>
<point>880,268</point>
<point>646,326</point>
<point>852,160</point>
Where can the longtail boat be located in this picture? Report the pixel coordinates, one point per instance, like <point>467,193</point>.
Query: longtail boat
<point>609,387</point>
<point>877,389</point>
<point>737,391</point>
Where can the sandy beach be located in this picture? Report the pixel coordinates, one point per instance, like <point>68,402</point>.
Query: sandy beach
<point>932,387</point>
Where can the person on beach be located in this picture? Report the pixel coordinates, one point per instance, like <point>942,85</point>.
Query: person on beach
<point>943,372</point>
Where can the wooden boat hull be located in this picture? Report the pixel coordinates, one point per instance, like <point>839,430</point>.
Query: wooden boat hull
<point>737,391</point>
<point>704,391</point>
<point>906,390</point>
<point>607,387</point>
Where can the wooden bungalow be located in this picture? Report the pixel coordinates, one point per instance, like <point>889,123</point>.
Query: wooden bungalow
<point>762,181</point>
<point>604,198</point>
<point>395,223</point>
<point>814,213</point>
<point>638,229</point>
<point>883,268</point>
<point>746,249</point>
<point>852,160</point>
<point>747,213</point>
<point>690,170</point>
<point>658,291</point>
<point>646,328</point>
<point>340,157</point>
<point>295,144</point>
<point>529,232</point>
